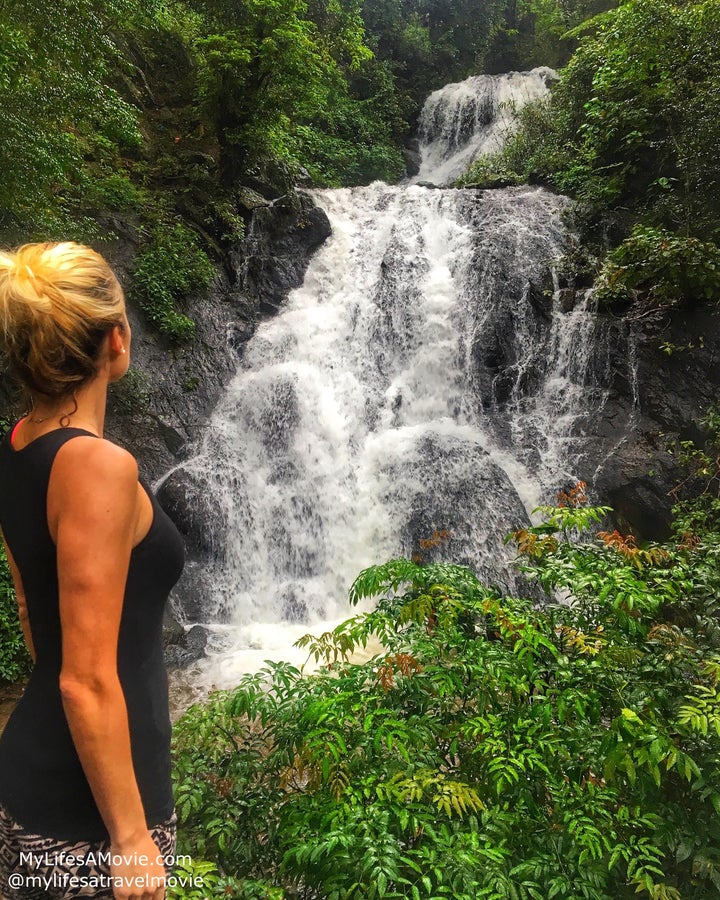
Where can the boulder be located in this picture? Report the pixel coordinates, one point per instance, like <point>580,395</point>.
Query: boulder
<point>188,649</point>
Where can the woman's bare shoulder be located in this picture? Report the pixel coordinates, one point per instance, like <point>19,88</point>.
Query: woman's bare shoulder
<point>94,460</point>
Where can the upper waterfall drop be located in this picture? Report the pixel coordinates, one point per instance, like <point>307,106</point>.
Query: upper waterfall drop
<point>473,118</point>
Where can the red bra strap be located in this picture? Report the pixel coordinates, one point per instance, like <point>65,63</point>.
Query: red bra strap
<point>12,436</point>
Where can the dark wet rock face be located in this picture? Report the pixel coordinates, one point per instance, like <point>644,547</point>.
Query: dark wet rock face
<point>454,478</point>
<point>186,502</point>
<point>280,241</point>
<point>670,394</point>
<point>294,608</point>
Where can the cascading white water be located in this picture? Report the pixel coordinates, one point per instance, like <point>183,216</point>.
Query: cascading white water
<point>424,378</point>
<point>474,118</point>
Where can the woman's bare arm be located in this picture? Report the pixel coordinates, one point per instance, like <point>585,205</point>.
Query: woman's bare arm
<point>93,510</point>
<point>20,596</point>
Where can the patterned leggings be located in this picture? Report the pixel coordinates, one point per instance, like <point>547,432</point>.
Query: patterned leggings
<point>50,878</point>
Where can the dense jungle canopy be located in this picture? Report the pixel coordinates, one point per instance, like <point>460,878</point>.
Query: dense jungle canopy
<point>155,111</point>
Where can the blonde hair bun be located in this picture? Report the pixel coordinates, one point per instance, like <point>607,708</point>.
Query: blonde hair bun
<point>57,302</point>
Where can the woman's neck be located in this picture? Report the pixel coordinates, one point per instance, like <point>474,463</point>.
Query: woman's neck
<point>84,409</point>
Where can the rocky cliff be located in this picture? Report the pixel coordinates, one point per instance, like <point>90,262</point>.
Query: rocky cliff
<point>676,365</point>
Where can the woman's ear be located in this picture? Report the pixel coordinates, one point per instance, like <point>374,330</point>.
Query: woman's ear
<point>116,340</point>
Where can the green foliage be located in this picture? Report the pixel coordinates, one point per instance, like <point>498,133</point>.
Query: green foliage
<point>226,221</point>
<point>335,160</point>
<point>14,656</point>
<point>348,141</point>
<point>492,749</point>
<point>354,140</point>
<point>57,97</point>
<point>419,46</point>
<point>519,160</point>
<point>265,61</point>
<point>697,496</point>
<point>662,269</point>
<point>168,269</point>
<point>432,42</point>
<point>114,191</point>
<point>530,35</point>
<point>634,122</point>
<point>335,86</point>
<point>199,879</point>
<point>491,172</point>
<point>651,64</point>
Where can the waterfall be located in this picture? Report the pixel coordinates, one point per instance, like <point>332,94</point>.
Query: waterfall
<point>474,118</point>
<point>430,376</point>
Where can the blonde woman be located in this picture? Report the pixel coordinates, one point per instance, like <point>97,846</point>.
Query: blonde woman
<point>86,805</point>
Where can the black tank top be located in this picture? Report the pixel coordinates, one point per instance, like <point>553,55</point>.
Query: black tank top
<point>42,782</point>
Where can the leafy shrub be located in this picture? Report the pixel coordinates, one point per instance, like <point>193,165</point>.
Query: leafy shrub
<point>167,270</point>
<point>225,220</point>
<point>116,192</point>
<point>661,268</point>
<point>492,171</point>
<point>199,879</point>
<point>524,152</point>
<point>14,656</point>
<point>341,160</point>
<point>697,496</point>
<point>493,749</point>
